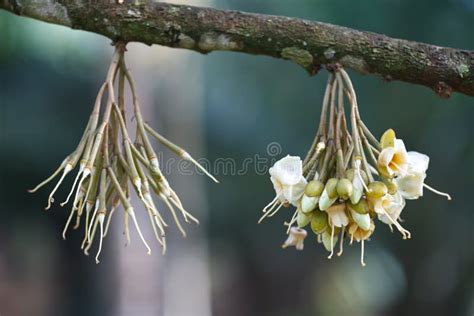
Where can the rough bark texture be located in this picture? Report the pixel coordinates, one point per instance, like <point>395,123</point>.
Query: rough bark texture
<point>307,43</point>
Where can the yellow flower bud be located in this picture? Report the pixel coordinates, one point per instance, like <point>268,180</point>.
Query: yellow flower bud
<point>314,188</point>
<point>344,188</point>
<point>377,190</point>
<point>388,139</point>
<point>319,222</point>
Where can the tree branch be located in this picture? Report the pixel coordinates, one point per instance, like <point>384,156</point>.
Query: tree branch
<point>307,43</point>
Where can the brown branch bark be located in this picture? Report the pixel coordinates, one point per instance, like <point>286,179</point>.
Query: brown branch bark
<point>309,44</point>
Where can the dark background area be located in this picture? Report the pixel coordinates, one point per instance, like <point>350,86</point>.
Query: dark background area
<point>49,76</point>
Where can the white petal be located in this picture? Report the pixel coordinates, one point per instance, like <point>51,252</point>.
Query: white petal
<point>362,220</point>
<point>401,156</point>
<point>418,162</point>
<point>296,238</point>
<point>399,146</point>
<point>278,187</point>
<point>288,170</point>
<point>308,203</point>
<point>337,215</point>
<point>386,156</point>
<point>303,219</point>
<point>377,205</point>
<point>293,193</point>
<point>357,189</point>
<point>410,186</point>
<point>393,205</point>
<point>325,202</point>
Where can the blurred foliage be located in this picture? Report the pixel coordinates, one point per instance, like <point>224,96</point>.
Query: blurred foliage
<point>48,79</point>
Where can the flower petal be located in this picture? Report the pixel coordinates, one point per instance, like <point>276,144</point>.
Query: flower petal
<point>400,157</point>
<point>303,219</point>
<point>418,162</point>
<point>337,215</point>
<point>296,238</point>
<point>393,205</point>
<point>325,201</point>
<point>278,186</point>
<point>410,186</point>
<point>309,203</point>
<point>383,161</point>
<point>362,220</point>
<point>357,190</point>
<point>288,170</point>
<point>293,193</point>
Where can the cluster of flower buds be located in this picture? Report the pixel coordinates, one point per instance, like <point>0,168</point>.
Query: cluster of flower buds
<point>349,179</point>
<point>108,160</point>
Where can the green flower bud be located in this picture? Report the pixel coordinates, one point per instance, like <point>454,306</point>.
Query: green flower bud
<point>331,188</point>
<point>351,172</point>
<point>392,187</point>
<point>344,188</point>
<point>377,189</point>
<point>303,219</point>
<point>314,188</point>
<point>362,207</point>
<point>319,222</point>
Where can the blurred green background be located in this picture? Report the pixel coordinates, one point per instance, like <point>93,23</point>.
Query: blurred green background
<point>49,76</point>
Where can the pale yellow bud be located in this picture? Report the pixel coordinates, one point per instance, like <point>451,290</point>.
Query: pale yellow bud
<point>388,139</point>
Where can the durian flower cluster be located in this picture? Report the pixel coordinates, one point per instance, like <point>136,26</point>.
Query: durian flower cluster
<point>349,180</point>
<point>111,166</point>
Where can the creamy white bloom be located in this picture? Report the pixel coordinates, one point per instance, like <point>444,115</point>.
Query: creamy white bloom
<point>337,215</point>
<point>393,161</point>
<point>393,206</point>
<point>387,205</point>
<point>411,184</point>
<point>296,238</point>
<point>288,180</point>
